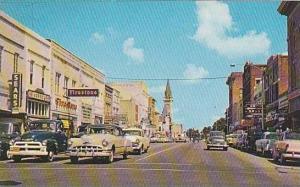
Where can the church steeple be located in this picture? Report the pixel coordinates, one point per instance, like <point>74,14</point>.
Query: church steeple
<point>168,92</point>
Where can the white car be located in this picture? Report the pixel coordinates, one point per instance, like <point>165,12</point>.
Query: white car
<point>140,143</point>
<point>266,143</point>
<point>100,141</point>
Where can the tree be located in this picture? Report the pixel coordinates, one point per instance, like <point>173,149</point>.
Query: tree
<point>220,125</point>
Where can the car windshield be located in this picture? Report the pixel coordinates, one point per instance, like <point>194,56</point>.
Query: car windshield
<point>218,137</point>
<point>293,136</point>
<point>42,125</point>
<point>100,130</point>
<point>132,132</point>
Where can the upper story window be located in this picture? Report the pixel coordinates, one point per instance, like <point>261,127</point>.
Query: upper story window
<point>73,83</point>
<point>43,76</point>
<point>66,80</point>
<point>16,58</point>
<point>57,79</point>
<point>31,72</point>
<point>1,50</point>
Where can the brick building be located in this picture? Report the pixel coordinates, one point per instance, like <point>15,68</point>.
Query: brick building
<point>291,9</point>
<point>276,90</point>
<point>252,77</point>
<point>235,84</point>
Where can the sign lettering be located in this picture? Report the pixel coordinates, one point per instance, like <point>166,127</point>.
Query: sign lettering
<point>16,92</point>
<point>83,92</point>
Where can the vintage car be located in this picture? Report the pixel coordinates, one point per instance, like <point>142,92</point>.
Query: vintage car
<point>234,140</point>
<point>216,139</point>
<point>99,141</point>
<point>153,139</point>
<point>140,143</point>
<point>162,139</point>
<point>265,144</point>
<point>287,147</point>
<point>180,138</point>
<point>242,141</point>
<point>44,139</point>
<point>10,130</point>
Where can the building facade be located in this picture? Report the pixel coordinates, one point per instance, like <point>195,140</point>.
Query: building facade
<point>69,71</point>
<point>108,100</point>
<point>235,84</point>
<point>292,11</point>
<point>276,91</point>
<point>252,112</point>
<point>24,72</point>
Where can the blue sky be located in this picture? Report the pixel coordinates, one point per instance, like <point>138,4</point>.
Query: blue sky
<point>163,40</point>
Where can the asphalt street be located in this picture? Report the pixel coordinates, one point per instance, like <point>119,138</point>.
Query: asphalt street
<point>171,164</point>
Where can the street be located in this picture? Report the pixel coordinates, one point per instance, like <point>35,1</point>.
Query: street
<point>173,164</point>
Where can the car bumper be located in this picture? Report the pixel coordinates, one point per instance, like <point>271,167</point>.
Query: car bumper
<point>78,153</point>
<point>27,151</point>
<point>217,145</point>
<point>291,156</point>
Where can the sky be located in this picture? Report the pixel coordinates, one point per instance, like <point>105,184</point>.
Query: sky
<point>163,39</point>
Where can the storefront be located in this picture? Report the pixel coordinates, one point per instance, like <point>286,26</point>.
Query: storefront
<point>294,113</point>
<point>65,110</point>
<point>37,105</point>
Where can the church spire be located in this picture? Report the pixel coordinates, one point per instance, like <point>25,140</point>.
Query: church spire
<point>168,92</point>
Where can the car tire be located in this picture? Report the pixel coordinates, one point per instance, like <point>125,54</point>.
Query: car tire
<point>225,148</point>
<point>141,150</point>
<point>74,159</point>
<point>110,158</point>
<point>125,155</point>
<point>17,158</point>
<point>207,147</point>
<point>282,160</point>
<point>49,157</point>
<point>274,156</point>
<point>4,155</point>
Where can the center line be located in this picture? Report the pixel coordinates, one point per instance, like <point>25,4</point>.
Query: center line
<point>159,152</point>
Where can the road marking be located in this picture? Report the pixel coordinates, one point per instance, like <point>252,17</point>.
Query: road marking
<point>159,152</point>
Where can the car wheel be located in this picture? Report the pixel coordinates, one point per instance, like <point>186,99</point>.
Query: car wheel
<point>207,147</point>
<point>17,158</point>
<point>110,158</point>
<point>74,159</point>
<point>274,156</point>
<point>141,150</point>
<point>49,157</point>
<point>4,155</point>
<point>282,160</point>
<point>125,155</point>
<point>225,148</point>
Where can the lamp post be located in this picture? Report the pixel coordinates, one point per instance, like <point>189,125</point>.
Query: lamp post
<point>263,92</point>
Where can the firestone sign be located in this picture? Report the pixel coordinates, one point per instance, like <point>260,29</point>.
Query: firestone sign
<point>16,92</point>
<point>83,92</point>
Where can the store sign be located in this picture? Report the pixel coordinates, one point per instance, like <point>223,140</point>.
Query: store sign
<point>16,92</point>
<point>38,96</point>
<point>67,105</point>
<point>83,92</point>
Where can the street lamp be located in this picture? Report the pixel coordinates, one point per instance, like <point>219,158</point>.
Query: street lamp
<point>263,94</point>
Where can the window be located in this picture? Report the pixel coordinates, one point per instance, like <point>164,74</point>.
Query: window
<point>16,58</point>
<point>43,76</point>
<point>31,72</point>
<point>57,78</point>
<point>73,83</point>
<point>1,49</point>
<point>66,80</point>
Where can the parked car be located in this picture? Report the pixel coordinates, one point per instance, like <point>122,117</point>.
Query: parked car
<point>44,139</point>
<point>180,138</point>
<point>230,138</point>
<point>140,143</point>
<point>10,130</point>
<point>242,141</point>
<point>234,140</point>
<point>162,139</point>
<point>252,136</point>
<point>153,139</point>
<point>287,148</point>
<point>100,141</point>
<point>216,139</point>
<point>264,145</point>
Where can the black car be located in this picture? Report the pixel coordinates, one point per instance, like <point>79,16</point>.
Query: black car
<point>9,131</point>
<point>44,139</point>
<point>252,136</point>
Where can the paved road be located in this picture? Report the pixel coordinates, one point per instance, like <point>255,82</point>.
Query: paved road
<point>164,165</point>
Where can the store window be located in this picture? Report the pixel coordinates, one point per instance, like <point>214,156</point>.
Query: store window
<point>73,83</point>
<point>37,109</point>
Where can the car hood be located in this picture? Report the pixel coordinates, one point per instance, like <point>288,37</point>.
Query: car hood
<point>133,138</point>
<point>293,145</point>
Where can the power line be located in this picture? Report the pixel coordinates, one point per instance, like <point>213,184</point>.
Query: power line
<point>164,79</point>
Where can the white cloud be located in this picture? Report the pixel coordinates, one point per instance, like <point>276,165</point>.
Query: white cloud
<point>214,23</point>
<point>135,53</point>
<point>194,72</point>
<point>97,38</point>
<point>157,89</point>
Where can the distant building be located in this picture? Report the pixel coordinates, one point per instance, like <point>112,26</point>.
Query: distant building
<point>291,9</point>
<point>252,77</point>
<point>167,113</point>
<point>108,100</point>
<point>276,91</point>
<point>235,84</point>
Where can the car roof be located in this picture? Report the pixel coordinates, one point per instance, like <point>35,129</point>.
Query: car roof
<point>104,126</point>
<point>45,121</point>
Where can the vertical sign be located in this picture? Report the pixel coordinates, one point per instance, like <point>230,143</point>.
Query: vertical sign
<point>16,92</point>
